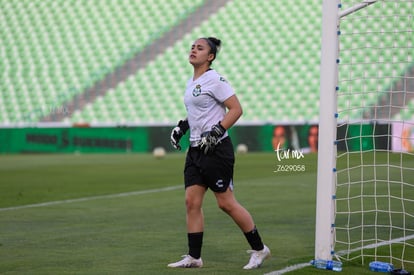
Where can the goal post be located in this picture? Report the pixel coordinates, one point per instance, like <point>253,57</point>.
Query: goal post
<point>324,233</point>
<point>365,191</point>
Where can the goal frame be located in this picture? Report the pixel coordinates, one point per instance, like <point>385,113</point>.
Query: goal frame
<point>325,193</point>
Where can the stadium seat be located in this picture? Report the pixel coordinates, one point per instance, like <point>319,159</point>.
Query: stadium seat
<point>75,38</point>
<point>272,62</point>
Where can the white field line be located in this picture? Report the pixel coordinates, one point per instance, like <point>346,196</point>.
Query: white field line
<point>111,196</point>
<point>340,253</point>
<point>143,192</point>
<point>398,240</point>
<point>288,269</point>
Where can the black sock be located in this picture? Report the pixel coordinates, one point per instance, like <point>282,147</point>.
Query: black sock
<point>254,239</point>
<point>195,242</point>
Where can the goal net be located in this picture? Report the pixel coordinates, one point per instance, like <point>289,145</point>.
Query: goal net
<point>372,170</point>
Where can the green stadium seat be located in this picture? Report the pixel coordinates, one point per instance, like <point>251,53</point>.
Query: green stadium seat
<point>75,37</point>
<point>274,60</point>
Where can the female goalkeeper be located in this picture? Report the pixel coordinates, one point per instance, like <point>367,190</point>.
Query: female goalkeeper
<point>210,158</point>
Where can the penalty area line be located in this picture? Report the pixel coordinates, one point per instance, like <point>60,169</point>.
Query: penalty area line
<point>111,196</point>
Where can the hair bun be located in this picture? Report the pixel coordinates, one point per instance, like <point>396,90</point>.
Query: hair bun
<point>216,41</point>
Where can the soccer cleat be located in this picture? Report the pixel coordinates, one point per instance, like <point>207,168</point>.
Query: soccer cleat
<point>187,262</point>
<point>257,257</point>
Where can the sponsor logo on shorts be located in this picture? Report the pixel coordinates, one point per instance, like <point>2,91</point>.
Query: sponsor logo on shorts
<point>219,183</point>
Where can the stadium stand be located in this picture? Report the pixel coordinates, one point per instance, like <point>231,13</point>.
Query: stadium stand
<point>53,53</point>
<point>262,64</point>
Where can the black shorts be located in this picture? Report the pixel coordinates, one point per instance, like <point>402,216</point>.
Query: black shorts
<point>214,170</point>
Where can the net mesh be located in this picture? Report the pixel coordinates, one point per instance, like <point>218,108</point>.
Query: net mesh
<point>374,217</point>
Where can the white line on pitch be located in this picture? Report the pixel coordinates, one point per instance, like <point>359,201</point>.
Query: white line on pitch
<point>369,246</point>
<point>111,196</point>
<point>288,269</point>
<point>340,253</point>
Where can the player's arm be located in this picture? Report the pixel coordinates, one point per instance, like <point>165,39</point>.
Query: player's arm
<point>210,139</point>
<point>234,112</point>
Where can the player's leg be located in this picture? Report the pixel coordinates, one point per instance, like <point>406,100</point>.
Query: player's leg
<point>194,196</point>
<point>218,174</point>
<point>228,203</point>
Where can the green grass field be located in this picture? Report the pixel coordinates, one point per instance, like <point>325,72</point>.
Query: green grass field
<point>60,214</point>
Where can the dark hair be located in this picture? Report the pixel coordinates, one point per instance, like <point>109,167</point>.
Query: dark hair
<point>214,44</point>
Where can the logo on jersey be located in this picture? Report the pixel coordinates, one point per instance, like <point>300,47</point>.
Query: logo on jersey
<point>223,79</point>
<point>197,90</point>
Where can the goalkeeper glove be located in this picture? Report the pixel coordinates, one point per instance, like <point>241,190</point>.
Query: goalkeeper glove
<point>178,132</point>
<point>210,139</point>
